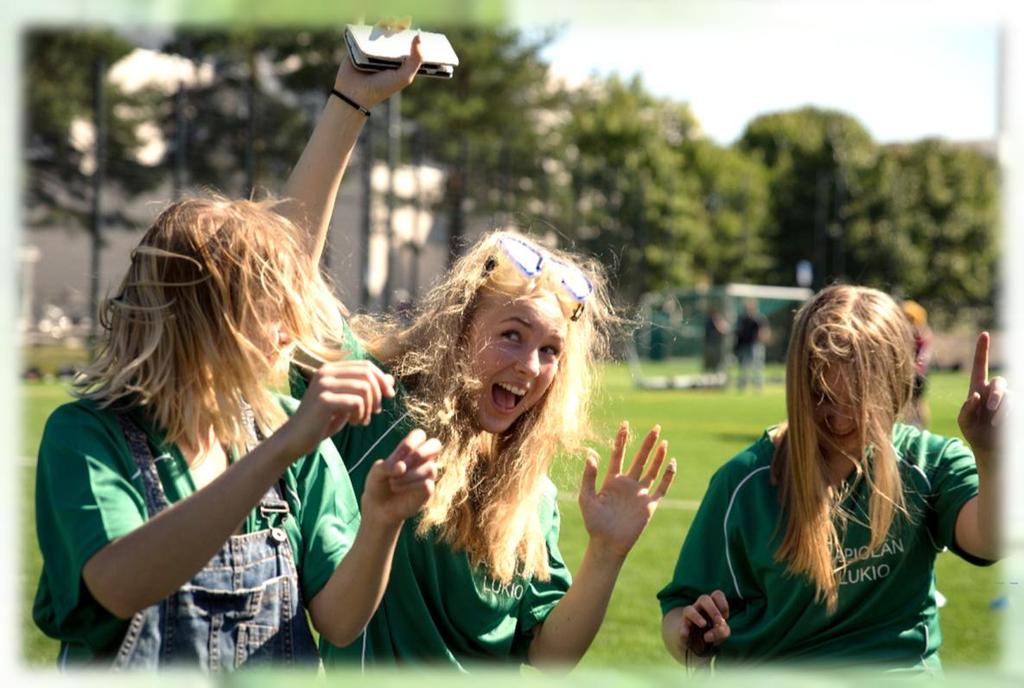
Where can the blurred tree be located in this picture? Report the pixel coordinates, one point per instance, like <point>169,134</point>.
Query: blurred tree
<point>734,188</point>
<point>491,127</point>
<point>245,127</point>
<point>59,139</point>
<point>926,226</point>
<point>635,204</point>
<point>817,160</point>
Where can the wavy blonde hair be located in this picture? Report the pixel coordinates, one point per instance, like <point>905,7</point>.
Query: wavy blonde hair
<point>190,335</point>
<point>489,486</point>
<point>860,336</point>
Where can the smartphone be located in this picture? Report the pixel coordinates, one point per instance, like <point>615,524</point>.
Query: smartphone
<point>374,49</point>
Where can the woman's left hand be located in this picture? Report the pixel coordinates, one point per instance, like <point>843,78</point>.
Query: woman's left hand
<point>396,487</point>
<point>617,515</point>
<point>987,405</point>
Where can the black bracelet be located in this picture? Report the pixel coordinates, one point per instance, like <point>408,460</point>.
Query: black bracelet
<point>357,106</point>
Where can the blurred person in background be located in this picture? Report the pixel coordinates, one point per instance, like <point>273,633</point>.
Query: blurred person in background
<point>919,414</point>
<point>716,327</point>
<point>752,333</point>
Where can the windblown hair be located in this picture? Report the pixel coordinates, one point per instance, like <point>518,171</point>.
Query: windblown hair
<point>488,488</point>
<point>190,336</point>
<point>860,337</point>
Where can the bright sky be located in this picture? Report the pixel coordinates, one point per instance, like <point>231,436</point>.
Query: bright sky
<point>903,74</point>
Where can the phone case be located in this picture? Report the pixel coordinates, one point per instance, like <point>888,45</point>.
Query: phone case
<point>374,48</point>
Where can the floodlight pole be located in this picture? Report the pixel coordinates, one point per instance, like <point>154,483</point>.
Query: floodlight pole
<point>100,125</point>
<point>250,139</point>
<point>394,108</point>
<point>179,142</point>
<point>415,243</point>
<point>366,153</point>
<point>180,166</point>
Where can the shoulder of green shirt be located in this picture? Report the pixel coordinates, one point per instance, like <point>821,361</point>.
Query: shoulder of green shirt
<point>74,412</point>
<point>69,420</point>
<point>757,455</point>
<point>925,449</point>
<point>547,506</point>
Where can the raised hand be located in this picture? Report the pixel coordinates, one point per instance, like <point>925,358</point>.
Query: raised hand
<point>396,487</point>
<point>987,405</point>
<point>617,515</point>
<point>369,89</point>
<point>339,393</point>
<point>703,624</point>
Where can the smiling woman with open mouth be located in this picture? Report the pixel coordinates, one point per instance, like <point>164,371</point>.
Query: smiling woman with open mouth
<point>498,363</point>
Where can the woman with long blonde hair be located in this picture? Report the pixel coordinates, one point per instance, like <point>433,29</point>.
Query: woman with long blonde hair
<point>188,515</point>
<point>499,364</point>
<point>818,542</point>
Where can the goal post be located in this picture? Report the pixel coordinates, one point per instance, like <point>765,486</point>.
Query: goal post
<point>686,335</point>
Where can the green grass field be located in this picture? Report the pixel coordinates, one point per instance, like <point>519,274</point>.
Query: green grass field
<point>704,429</point>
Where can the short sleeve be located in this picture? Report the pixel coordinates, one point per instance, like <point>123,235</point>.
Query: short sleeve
<point>328,516</point>
<point>954,482</point>
<point>298,381</point>
<point>85,498</point>
<point>541,597</point>
<point>704,562</point>
<point>353,347</point>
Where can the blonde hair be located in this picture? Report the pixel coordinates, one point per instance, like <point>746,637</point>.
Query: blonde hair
<point>489,486</point>
<point>861,335</point>
<point>189,336</point>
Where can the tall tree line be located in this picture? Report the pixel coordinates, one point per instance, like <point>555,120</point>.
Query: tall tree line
<point>605,165</point>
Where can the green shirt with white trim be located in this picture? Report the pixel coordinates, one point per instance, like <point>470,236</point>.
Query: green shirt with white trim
<point>89,492</point>
<point>886,614</point>
<point>439,609</point>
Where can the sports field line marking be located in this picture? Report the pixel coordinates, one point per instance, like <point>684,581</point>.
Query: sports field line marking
<point>666,503</point>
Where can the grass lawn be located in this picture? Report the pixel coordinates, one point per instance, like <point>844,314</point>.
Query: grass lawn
<point>704,429</point>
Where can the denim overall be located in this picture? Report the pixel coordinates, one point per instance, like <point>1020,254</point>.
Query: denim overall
<point>243,606</point>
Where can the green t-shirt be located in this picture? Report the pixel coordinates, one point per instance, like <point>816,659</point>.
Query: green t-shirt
<point>438,608</point>
<point>89,492</point>
<point>886,612</point>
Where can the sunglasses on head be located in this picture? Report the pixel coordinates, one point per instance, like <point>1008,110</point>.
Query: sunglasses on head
<point>530,260</point>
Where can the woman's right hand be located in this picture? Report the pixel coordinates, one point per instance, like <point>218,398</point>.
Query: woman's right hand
<point>696,635</point>
<point>370,89</point>
<point>339,393</point>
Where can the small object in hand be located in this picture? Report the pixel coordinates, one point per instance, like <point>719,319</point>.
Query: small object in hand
<point>696,643</point>
<point>386,46</point>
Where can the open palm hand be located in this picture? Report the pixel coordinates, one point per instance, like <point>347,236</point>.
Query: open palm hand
<point>616,515</point>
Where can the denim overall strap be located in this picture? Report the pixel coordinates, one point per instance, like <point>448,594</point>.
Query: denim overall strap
<point>244,606</point>
<point>140,647</point>
<point>153,489</point>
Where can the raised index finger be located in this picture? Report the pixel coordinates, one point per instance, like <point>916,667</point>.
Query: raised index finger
<point>979,371</point>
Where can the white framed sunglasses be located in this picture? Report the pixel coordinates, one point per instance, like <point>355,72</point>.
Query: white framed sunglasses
<point>530,260</point>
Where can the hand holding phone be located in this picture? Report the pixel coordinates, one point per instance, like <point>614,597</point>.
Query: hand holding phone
<point>380,48</point>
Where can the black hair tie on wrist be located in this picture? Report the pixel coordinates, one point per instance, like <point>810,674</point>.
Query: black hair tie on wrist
<point>345,98</point>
